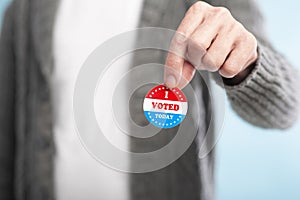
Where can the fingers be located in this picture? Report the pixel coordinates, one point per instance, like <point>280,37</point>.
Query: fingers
<point>175,59</point>
<point>211,39</point>
<point>218,52</point>
<point>192,19</point>
<point>174,64</point>
<point>233,65</point>
<point>187,74</point>
<point>240,57</point>
<point>200,41</point>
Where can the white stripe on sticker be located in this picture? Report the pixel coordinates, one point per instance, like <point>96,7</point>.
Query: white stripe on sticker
<point>165,106</point>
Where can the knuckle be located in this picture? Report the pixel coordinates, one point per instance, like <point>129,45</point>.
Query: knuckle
<point>239,30</point>
<point>245,35</point>
<point>212,68</point>
<point>217,63</point>
<point>198,5</point>
<point>230,25</point>
<point>197,43</point>
<point>210,64</point>
<point>229,70</point>
<point>195,8</point>
<point>223,12</point>
<point>251,40</point>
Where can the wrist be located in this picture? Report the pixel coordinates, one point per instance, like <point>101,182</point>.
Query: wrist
<point>240,77</point>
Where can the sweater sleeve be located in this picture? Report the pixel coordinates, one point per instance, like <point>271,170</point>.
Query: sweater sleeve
<point>7,93</point>
<point>269,96</point>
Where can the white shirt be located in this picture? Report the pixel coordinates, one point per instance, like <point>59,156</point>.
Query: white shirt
<point>81,26</point>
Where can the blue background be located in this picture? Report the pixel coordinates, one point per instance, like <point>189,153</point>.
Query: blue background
<point>253,163</point>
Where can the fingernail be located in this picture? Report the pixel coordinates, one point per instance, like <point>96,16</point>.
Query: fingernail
<point>171,81</point>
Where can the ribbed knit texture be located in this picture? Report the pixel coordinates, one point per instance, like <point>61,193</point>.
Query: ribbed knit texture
<point>268,97</point>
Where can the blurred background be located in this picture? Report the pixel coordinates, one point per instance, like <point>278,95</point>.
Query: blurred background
<point>253,163</point>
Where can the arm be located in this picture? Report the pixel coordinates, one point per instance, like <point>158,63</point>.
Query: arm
<point>7,93</point>
<point>269,95</point>
<point>227,36</point>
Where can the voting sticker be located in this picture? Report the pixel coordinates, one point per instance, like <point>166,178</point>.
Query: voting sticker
<point>165,107</point>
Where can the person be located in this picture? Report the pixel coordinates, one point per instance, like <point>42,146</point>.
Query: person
<point>43,44</point>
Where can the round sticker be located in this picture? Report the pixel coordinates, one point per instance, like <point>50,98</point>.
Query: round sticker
<point>165,107</point>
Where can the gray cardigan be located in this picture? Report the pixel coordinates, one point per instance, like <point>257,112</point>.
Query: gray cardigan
<point>268,98</point>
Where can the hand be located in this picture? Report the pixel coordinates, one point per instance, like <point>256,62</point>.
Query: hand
<point>210,39</point>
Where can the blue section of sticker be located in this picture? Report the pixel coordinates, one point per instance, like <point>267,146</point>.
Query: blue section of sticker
<point>164,120</point>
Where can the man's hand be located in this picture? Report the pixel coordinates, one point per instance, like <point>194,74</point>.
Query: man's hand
<point>210,39</point>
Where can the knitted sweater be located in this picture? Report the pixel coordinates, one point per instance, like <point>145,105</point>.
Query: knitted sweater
<point>268,98</point>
